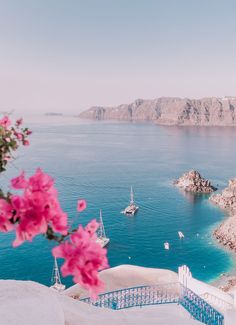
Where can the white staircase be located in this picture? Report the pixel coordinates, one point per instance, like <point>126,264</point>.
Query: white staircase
<point>216,302</point>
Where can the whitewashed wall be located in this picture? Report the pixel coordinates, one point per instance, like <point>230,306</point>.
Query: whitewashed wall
<point>203,289</point>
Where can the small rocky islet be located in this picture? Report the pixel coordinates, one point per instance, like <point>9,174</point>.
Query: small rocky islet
<point>192,181</point>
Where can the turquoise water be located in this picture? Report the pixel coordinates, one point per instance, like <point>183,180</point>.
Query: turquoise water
<point>99,161</point>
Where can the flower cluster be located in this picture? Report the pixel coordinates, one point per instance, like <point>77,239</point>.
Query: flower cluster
<point>11,136</point>
<point>37,211</point>
<point>38,208</point>
<point>84,257</point>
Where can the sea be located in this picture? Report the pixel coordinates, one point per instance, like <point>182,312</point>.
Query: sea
<point>99,161</point>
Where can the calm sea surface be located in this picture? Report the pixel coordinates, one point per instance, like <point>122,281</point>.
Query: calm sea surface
<point>99,161</point>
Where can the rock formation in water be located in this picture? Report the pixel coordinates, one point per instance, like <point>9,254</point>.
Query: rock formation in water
<point>171,111</point>
<point>226,232</point>
<point>53,114</point>
<point>193,182</point>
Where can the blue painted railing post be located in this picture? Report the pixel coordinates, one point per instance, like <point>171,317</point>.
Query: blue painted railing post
<point>114,305</point>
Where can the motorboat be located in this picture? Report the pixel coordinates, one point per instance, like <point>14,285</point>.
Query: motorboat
<point>181,235</point>
<point>167,245</point>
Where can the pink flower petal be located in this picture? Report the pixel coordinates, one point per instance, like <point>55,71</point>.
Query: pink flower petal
<point>5,122</point>
<point>81,205</point>
<point>19,182</point>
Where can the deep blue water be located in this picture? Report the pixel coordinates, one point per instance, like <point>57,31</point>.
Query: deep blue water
<point>99,161</point>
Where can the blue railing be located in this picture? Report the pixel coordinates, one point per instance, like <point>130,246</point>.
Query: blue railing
<point>160,294</point>
<point>137,296</point>
<point>199,308</point>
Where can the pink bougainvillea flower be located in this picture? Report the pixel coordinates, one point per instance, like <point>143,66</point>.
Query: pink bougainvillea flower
<point>19,182</point>
<point>81,205</point>
<point>5,216</point>
<point>41,181</point>
<point>19,205</point>
<point>30,225</point>
<point>25,143</point>
<point>37,208</point>
<point>92,227</point>
<point>19,122</point>
<point>19,135</point>
<point>84,257</point>
<point>5,122</point>
<point>28,132</point>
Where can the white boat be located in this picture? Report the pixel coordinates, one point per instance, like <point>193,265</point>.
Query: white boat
<point>166,245</point>
<point>131,209</point>
<point>56,279</point>
<point>102,238</point>
<point>181,235</point>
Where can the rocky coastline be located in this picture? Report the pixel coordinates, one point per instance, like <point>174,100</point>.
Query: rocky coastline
<point>192,181</point>
<point>226,282</point>
<point>225,234</point>
<point>226,200</point>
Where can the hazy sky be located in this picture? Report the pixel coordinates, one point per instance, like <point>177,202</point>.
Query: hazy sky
<point>68,55</point>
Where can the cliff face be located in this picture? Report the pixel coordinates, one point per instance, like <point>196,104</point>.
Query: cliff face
<point>226,199</point>
<point>171,111</point>
<point>226,233</point>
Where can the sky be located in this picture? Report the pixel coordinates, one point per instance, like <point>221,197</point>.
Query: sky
<point>68,55</point>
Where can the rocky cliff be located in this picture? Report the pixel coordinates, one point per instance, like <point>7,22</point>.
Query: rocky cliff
<point>171,111</point>
<point>227,198</point>
<point>193,182</point>
<point>226,232</point>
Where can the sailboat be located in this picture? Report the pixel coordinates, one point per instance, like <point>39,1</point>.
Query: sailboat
<point>131,208</point>
<point>102,238</point>
<point>56,279</point>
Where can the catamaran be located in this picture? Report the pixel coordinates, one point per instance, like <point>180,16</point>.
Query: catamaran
<point>102,238</point>
<point>56,279</point>
<point>131,208</point>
